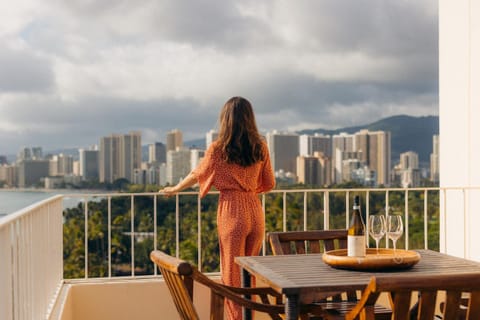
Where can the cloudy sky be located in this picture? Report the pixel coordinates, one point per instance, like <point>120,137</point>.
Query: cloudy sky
<point>74,71</point>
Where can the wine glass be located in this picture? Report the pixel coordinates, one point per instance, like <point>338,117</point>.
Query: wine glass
<point>376,227</point>
<point>394,229</point>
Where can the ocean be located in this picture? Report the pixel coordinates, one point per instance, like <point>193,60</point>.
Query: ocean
<point>14,200</point>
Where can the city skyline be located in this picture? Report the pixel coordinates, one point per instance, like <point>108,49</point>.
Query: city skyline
<point>204,137</point>
<point>81,70</point>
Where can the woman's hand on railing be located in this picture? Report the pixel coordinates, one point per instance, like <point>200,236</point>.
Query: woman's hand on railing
<point>168,191</point>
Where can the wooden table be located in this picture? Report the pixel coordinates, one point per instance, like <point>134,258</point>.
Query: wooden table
<point>299,276</point>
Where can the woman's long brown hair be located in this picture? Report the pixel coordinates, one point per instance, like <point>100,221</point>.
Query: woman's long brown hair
<point>238,138</point>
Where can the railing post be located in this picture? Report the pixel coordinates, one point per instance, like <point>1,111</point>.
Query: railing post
<point>86,237</point>
<point>132,233</point>
<point>109,231</point>
<point>425,218</point>
<point>305,213</point>
<point>326,210</point>
<point>284,211</point>
<point>199,230</point>
<point>406,219</point>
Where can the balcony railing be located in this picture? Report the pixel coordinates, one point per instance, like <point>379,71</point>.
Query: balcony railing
<point>35,242</point>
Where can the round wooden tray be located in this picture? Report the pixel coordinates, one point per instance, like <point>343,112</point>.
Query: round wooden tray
<point>385,260</point>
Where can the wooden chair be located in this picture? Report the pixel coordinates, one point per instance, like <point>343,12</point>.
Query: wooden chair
<point>318,241</point>
<point>180,276</point>
<point>427,287</point>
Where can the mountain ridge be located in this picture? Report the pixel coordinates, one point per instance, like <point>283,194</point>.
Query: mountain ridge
<point>408,133</point>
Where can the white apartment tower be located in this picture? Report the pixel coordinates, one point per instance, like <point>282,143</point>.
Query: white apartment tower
<point>211,136</point>
<point>371,148</point>
<point>341,144</point>
<point>409,170</point>
<point>379,156</point>
<point>409,160</point>
<point>178,165</point>
<point>196,155</point>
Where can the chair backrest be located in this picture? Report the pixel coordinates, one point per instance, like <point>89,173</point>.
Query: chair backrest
<point>178,277</point>
<point>428,288</point>
<point>312,241</point>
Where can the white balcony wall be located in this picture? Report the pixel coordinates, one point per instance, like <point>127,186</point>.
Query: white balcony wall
<point>459,93</point>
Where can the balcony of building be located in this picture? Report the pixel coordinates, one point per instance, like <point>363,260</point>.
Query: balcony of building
<point>38,282</point>
<point>32,281</point>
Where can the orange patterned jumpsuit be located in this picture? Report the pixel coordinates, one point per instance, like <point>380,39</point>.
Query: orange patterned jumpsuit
<point>240,218</point>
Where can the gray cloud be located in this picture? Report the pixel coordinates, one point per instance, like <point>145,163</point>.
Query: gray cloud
<point>71,72</point>
<point>22,71</point>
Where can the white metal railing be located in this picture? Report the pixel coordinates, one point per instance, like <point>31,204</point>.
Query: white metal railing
<point>31,260</point>
<point>326,212</point>
<point>31,240</point>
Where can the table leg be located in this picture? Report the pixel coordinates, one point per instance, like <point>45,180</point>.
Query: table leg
<point>291,307</point>
<point>246,283</point>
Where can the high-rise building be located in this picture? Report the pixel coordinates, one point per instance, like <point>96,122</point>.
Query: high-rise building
<point>30,172</point>
<point>37,153</point>
<point>314,170</point>
<point>408,160</point>
<point>174,140</point>
<point>211,136</point>
<point>379,156</point>
<point>318,142</point>
<point>157,153</point>
<point>342,145</point>
<point>308,170</point>
<point>434,160</point>
<point>178,165</point>
<point>119,156</point>
<point>284,149</point>
<point>8,175</point>
<point>61,165</point>
<point>196,155</point>
<point>89,164</point>
<point>372,149</point>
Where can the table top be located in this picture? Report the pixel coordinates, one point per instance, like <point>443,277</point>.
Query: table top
<point>299,274</point>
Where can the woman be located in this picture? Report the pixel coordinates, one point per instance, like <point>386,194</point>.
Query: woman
<point>238,165</point>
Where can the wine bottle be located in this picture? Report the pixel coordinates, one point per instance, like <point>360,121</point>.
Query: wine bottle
<point>356,232</point>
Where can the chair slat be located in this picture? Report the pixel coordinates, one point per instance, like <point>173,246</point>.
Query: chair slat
<point>401,305</point>
<point>314,246</point>
<point>452,304</point>
<point>300,247</point>
<point>426,305</point>
<point>473,306</point>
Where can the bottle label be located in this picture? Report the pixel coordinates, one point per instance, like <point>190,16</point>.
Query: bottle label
<point>356,246</point>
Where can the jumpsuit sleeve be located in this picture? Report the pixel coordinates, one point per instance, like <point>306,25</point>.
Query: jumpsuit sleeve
<point>266,178</point>
<point>205,172</point>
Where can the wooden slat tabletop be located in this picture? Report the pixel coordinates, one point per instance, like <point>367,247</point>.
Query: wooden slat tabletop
<point>304,274</point>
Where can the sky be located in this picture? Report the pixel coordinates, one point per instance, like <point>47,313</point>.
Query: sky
<point>74,71</point>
